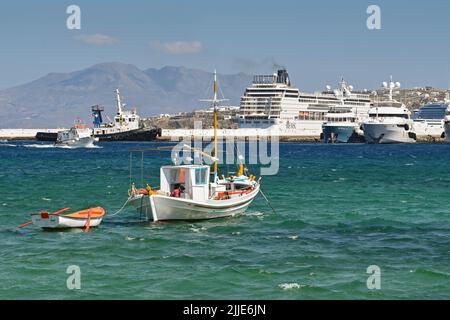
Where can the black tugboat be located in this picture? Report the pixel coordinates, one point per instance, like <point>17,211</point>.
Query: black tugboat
<point>127,126</point>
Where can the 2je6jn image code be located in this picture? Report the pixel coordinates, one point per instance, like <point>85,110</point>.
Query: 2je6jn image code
<point>225,311</point>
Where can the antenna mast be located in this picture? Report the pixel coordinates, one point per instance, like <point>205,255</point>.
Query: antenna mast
<point>119,102</point>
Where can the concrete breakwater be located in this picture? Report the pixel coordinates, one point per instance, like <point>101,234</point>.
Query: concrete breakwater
<point>236,134</point>
<point>255,134</point>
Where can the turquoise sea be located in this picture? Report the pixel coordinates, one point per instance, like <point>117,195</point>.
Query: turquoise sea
<point>339,209</point>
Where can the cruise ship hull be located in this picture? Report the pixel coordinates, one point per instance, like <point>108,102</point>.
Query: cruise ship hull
<point>340,134</point>
<point>387,133</point>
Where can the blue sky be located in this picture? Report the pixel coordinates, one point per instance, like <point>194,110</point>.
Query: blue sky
<point>318,41</point>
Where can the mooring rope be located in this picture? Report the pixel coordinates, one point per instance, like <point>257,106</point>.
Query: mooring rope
<point>121,209</point>
<point>267,200</point>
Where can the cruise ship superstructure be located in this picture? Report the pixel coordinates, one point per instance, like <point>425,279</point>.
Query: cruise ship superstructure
<point>272,103</point>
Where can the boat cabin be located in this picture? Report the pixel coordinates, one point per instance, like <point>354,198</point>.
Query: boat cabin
<point>185,181</point>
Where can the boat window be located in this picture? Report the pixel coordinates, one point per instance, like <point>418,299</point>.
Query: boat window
<point>200,176</point>
<point>382,115</point>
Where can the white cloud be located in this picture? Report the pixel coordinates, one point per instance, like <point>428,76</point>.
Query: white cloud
<point>97,39</point>
<point>179,47</point>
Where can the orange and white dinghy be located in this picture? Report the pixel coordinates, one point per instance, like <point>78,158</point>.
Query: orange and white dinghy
<point>86,218</point>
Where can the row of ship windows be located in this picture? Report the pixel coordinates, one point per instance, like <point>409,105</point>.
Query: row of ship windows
<point>311,115</point>
<point>258,121</point>
<point>263,98</point>
<point>341,119</point>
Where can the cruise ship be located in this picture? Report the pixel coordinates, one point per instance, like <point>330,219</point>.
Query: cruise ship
<point>272,103</point>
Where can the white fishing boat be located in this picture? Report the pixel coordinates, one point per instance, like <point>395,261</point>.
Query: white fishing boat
<point>79,136</point>
<point>186,192</point>
<point>87,218</point>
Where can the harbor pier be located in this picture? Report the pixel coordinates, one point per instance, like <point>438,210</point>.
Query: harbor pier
<point>237,134</point>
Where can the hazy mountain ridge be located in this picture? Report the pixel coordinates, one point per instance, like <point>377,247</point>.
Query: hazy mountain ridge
<point>58,99</point>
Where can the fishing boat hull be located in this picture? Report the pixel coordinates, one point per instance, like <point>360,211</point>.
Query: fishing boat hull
<point>74,220</point>
<point>78,143</point>
<point>165,208</point>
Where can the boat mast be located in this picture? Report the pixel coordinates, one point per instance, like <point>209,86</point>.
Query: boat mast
<point>391,87</point>
<point>215,103</point>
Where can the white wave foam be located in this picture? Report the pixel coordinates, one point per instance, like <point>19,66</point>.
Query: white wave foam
<point>254,213</point>
<point>290,286</point>
<point>7,145</point>
<point>43,146</point>
<point>198,229</point>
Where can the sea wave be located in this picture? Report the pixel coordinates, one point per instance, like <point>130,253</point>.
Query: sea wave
<point>39,146</point>
<point>432,273</point>
<point>47,146</point>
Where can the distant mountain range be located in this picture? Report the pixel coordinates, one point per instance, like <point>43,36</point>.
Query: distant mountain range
<point>58,99</point>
